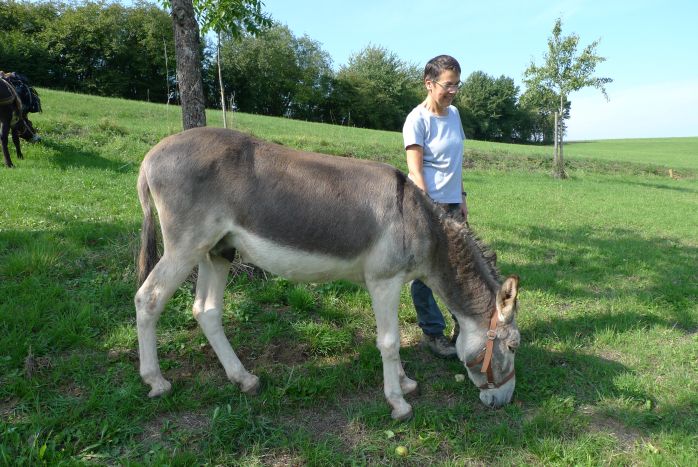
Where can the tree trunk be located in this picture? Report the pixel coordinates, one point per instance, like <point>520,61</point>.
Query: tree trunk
<point>555,141</point>
<point>220,81</point>
<point>188,54</point>
<point>558,162</point>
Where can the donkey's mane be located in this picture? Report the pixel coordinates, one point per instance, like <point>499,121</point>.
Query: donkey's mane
<point>471,258</point>
<point>474,256</point>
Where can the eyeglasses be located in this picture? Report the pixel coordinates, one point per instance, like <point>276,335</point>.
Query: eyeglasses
<point>451,87</point>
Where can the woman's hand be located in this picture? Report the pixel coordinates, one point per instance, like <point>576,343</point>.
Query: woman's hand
<point>464,209</point>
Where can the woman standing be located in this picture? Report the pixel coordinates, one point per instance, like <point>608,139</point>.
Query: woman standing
<point>433,138</point>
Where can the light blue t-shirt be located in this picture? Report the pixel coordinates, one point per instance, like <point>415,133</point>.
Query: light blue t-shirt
<point>441,139</point>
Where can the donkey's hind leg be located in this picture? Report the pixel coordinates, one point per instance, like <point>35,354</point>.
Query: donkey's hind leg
<point>407,384</point>
<point>4,133</point>
<point>210,286</point>
<point>162,282</point>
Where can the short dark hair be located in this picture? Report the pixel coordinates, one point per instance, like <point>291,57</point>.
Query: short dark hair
<point>437,65</point>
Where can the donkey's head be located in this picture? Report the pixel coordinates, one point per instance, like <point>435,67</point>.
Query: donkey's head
<point>26,131</point>
<point>489,356</point>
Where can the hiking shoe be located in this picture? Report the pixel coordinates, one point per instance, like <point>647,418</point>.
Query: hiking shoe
<point>439,346</point>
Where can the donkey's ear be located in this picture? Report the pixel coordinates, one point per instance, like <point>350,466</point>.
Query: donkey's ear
<point>506,299</point>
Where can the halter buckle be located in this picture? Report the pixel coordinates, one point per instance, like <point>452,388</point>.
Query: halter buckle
<point>491,334</point>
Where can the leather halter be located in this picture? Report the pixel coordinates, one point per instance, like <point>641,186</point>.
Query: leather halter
<point>28,127</point>
<point>485,357</point>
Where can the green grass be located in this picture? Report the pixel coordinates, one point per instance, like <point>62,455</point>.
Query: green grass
<point>665,153</point>
<point>607,372</point>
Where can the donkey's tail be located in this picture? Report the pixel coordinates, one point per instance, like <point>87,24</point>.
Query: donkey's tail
<point>147,257</point>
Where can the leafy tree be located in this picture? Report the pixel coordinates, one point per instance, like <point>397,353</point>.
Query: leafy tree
<point>90,48</point>
<point>537,108</point>
<point>262,71</point>
<point>563,73</point>
<point>21,46</point>
<point>276,73</point>
<point>231,17</point>
<point>488,107</point>
<point>378,89</point>
<point>314,81</point>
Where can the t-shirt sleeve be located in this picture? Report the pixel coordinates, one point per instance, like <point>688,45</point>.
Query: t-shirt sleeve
<point>413,131</point>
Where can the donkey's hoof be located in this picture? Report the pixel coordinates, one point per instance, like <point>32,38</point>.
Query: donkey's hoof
<point>160,388</point>
<point>251,386</point>
<point>402,414</point>
<point>401,410</point>
<point>408,385</point>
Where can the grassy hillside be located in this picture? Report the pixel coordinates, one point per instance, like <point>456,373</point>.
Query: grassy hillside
<point>69,114</point>
<point>606,374</point>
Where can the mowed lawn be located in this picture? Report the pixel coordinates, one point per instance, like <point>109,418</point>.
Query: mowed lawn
<point>607,373</point>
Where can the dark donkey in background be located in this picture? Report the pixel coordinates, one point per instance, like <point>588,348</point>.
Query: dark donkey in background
<point>313,217</point>
<point>17,99</point>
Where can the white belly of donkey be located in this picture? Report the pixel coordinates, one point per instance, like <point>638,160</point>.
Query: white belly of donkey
<point>295,264</point>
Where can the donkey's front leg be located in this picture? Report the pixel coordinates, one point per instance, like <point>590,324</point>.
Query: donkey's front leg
<point>385,295</point>
<point>15,140</point>
<point>208,306</point>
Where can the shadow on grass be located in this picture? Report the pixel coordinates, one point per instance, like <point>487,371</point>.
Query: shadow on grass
<point>659,186</point>
<point>68,156</point>
<point>60,289</point>
<point>618,266</point>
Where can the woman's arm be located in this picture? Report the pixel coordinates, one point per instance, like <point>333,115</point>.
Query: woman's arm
<point>415,161</point>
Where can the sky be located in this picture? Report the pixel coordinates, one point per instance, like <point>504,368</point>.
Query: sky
<point>650,46</point>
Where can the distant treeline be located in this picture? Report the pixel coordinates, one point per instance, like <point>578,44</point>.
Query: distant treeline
<point>112,50</point>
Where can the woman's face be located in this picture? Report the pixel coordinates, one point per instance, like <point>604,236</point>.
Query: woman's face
<point>444,89</point>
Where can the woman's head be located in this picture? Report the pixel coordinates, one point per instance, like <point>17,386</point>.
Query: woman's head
<point>437,65</point>
<point>442,80</point>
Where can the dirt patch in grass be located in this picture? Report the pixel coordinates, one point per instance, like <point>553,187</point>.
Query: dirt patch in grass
<point>34,365</point>
<point>116,354</point>
<point>282,459</point>
<point>611,355</point>
<point>599,423</point>
<point>72,390</point>
<point>8,408</point>
<point>256,360</point>
<point>156,431</point>
<point>284,352</point>
<point>321,422</point>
